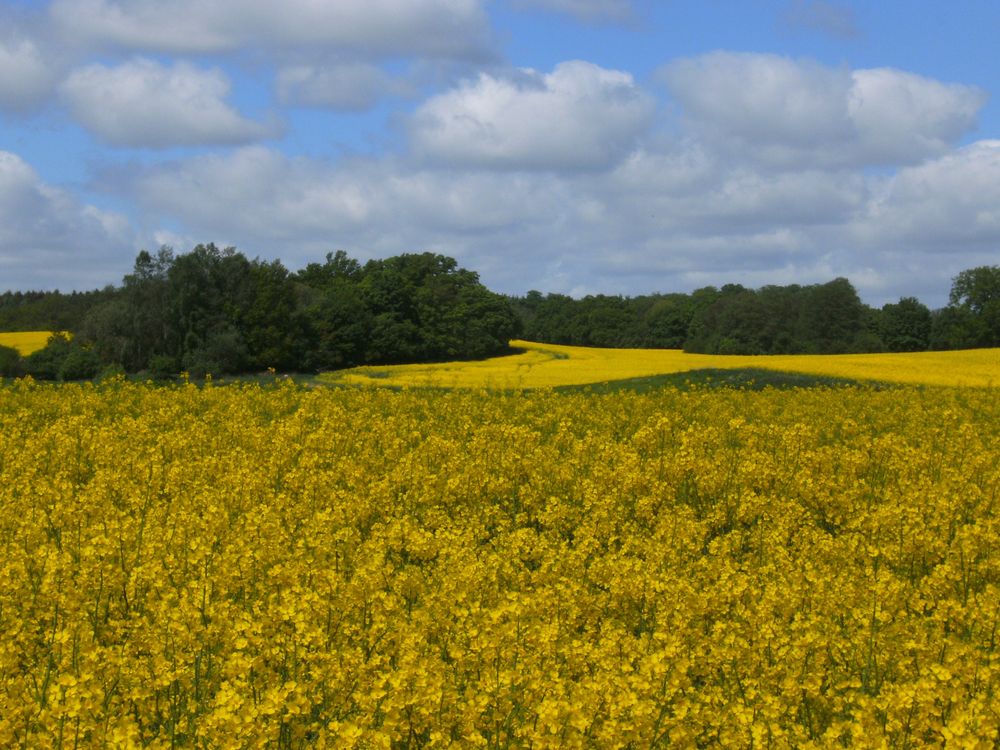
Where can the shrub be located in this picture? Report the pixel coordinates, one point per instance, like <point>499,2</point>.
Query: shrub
<point>46,363</point>
<point>162,367</point>
<point>112,371</point>
<point>10,362</point>
<point>80,364</point>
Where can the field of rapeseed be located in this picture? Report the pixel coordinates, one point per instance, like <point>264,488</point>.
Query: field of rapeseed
<point>250,567</point>
<point>551,365</point>
<point>25,342</point>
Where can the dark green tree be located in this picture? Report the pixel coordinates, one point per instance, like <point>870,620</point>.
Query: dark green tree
<point>424,307</point>
<point>977,290</point>
<point>905,326</point>
<point>143,326</point>
<point>49,311</point>
<point>269,318</point>
<point>10,362</point>
<point>81,363</point>
<point>956,328</point>
<point>336,269</point>
<point>833,318</point>
<point>664,322</point>
<point>47,363</point>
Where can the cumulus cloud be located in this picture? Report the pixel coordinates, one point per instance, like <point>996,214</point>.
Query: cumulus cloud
<point>583,10</point>
<point>352,86</point>
<point>446,28</point>
<point>301,205</point>
<point>795,113</point>
<point>142,103</point>
<point>691,192</point>
<point>578,116</point>
<point>901,117</point>
<point>256,192</point>
<point>762,99</point>
<point>49,239</point>
<point>950,204</point>
<point>25,75</point>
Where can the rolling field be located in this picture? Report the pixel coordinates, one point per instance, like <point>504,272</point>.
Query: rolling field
<point>550,365</point>
<point>25,342</point>
<point>282,567</point>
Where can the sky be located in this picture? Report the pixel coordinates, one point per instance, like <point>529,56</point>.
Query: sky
<point>571,146</point>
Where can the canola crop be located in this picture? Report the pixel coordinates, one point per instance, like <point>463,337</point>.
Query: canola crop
<point>283,567</point>
<point>551,365</point>
<point>26,342</point>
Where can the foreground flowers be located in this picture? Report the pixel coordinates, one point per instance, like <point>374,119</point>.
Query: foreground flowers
<point>282,567</point>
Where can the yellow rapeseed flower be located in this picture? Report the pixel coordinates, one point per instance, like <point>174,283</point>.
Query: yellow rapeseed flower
<point>282,567</point>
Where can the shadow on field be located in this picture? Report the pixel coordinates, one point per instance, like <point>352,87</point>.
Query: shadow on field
<point>752,379</point>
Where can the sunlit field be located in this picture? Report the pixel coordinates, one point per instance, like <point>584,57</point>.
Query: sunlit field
<point>281,567</point>
<point>25,342</point>
<point>549,365</point>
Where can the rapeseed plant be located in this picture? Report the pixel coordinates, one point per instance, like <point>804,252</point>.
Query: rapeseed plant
<point>280,567</point>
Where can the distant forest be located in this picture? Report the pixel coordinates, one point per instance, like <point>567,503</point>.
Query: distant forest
<point>816,319</point>
<point>215,311</point>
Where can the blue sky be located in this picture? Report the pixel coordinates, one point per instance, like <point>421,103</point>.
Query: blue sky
<point>574,146</point>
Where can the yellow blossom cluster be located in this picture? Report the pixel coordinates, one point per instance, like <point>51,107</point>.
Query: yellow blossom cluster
<point>26,342</point>
<point>280,567</point>
<point>550,365</point>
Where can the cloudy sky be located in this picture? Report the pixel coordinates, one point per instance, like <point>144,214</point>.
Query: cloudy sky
<point>575,146</point>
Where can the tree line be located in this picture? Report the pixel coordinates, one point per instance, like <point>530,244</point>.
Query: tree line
<point>825,318</point>
<point>216,311</point>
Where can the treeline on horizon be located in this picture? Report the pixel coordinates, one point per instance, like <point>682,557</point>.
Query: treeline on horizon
<point>216,311</point>
<point>825,318</point>
<point>213,311</point>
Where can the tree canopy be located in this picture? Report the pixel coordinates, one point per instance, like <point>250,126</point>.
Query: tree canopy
<point>213,310</point>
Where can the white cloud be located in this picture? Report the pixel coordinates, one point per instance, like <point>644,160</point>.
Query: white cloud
<point>950,204</point>
<point>901,117</point>
<point>447,28</point>
<point>690,192</point>
<point>584,10</point>
<point>300,206</point>
<point>345,86</point>
<point>25,75</point>
<point>49,239</point>
<point>578,116</point>
<point>792,114</point>
<point>144,104</point>
<point>763,98</point>
<point>257,192</point>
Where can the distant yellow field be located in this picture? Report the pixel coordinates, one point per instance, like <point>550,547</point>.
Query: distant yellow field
<point>25,342</point>
<point>549,365</point>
